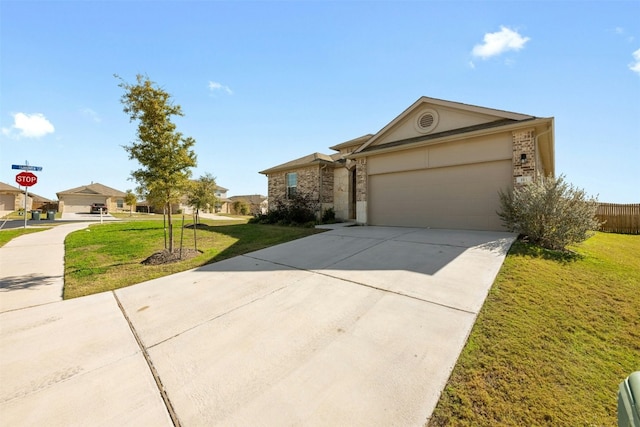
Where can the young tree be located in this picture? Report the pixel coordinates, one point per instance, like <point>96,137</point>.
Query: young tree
<point>130,199</point>
<point>549,212</point>
<point>165,155</point>
<point>202,194</point>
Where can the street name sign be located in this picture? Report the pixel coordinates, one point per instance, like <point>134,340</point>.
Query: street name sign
<point>27,167</point>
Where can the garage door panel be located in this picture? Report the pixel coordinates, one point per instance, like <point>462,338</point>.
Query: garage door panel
<point>461,197</point>
<point>81,204</point>
<point>7,202</point>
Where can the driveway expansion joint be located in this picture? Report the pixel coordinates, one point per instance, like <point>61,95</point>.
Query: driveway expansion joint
<point>163,393</point>
<point>217,317</point>
<point>342,279</point>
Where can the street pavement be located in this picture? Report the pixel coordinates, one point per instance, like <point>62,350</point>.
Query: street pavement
<point>354,326</point>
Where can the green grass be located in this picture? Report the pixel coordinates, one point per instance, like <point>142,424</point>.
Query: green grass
<point>7,235</point>
<point>556,336</point>
<point>108,256</point>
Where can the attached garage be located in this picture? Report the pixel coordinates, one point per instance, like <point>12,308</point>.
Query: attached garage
<point>7,202</point>
<point>80,199</point>
<point>438,164</point>
<point>81,204</point>
<point>459,197</point>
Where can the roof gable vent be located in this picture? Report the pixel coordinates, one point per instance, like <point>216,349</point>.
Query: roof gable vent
<point>426,121</point>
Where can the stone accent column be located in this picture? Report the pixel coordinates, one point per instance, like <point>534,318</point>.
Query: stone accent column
<point>361,190</point>
<point>524,143</point>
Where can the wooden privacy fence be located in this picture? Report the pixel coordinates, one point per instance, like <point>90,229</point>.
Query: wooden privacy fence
<point>623,219</point>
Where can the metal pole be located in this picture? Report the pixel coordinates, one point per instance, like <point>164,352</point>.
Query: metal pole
<point>26,195</point>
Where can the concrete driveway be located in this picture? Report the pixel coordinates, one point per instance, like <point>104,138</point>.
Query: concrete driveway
<point>355,326</point>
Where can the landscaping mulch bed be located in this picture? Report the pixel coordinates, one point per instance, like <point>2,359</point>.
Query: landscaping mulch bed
<point>166,257</point>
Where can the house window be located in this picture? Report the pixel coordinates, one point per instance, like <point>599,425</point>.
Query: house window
<point>120,203</point>
<point>292,184</point>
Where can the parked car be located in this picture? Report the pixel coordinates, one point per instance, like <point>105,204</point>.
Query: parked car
<point>98,207</point>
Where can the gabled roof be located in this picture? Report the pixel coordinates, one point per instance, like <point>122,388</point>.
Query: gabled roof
<point>309,160</point>
<point>498,114</point>
<point>11,189</point>
<point>352,142</point>
<point>92,188</point>
<point>467,129</point>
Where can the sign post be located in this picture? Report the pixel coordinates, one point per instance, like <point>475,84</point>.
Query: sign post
<point>27,179</point>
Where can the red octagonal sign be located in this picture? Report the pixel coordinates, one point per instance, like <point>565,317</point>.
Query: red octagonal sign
<point>26,178</point>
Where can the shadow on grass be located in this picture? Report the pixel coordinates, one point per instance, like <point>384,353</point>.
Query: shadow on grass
<point>524,248</point>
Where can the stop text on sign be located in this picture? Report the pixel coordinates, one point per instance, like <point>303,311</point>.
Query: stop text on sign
<point>26,178</point>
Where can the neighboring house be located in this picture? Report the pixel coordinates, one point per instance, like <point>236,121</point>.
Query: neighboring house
<point>222,204</point>
<point>258,205</point>
<point>80,199</point>
<point>438,164</point>
<point>12,199</point>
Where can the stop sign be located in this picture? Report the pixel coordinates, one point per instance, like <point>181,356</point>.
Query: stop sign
<point>26,178</point>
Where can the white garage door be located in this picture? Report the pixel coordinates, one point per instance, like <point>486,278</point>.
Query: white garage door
<point>459,197</point>
<point>7,202</point>
<point>80,204</point>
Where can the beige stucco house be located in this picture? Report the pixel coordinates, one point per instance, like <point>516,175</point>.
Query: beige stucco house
<point>80,199</point>
<point>256,203</point>
<point>12,199</point>
<point>438,164</point>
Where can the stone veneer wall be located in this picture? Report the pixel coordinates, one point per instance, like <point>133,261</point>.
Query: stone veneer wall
<point>524,142</point>
<point>361,180</point>
<point>361,190</point>
<point>308,183</point>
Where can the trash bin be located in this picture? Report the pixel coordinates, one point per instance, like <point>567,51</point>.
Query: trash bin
<point>629,401</point>
<point>35,215</point>
<point>51,215</point>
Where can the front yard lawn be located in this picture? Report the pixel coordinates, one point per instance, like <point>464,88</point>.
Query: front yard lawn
<point>556,336</point>
<point>108,256</point>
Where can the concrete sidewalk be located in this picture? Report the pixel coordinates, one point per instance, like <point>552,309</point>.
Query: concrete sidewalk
<point>354,326</point>
<point>32,268</point>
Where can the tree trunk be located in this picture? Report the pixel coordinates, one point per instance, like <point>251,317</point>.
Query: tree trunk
<point>169,220</point>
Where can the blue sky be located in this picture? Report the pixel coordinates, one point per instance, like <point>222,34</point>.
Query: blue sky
<point>265,82</point>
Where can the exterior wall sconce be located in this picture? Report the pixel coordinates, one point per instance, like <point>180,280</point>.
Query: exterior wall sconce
<point>523,158</point>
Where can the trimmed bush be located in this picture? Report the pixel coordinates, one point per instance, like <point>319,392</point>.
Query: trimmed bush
<point>297,210</point>
<point>550,213</point>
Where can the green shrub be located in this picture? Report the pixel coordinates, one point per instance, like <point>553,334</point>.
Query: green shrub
<point>329,216</point>
<point>549,212</point>
<point>296,210</point>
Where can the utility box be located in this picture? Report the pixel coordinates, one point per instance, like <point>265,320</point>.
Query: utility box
<point>629,401</point>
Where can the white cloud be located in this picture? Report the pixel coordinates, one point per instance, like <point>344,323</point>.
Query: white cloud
<point>215,86</point>
<point>635,65</point>
<point>499,42</point>
<point>88,112</point>
<point>29,126</point>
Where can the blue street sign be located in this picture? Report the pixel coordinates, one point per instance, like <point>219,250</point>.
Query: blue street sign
<point>27,167</point>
